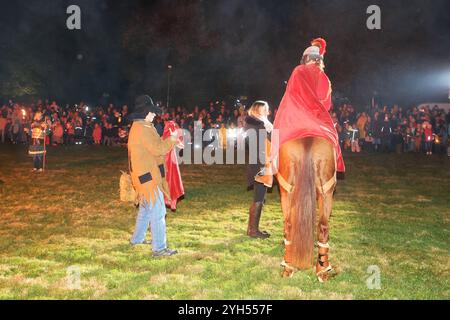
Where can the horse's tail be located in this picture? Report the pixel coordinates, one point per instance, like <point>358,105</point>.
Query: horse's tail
<point>303,209</point>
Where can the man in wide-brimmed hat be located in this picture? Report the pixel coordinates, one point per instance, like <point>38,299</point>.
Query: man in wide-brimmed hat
<point>147,153</point>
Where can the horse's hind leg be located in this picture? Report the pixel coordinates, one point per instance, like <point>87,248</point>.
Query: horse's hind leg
<point>288,271</point>
<point>326,183</point>
<point>325,204</point>
<point>286,171</point>
<point>323,266</point>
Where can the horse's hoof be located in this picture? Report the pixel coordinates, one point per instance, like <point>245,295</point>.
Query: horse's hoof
<point>325,274</point>
<point>324,277</point>
<point>287,273</point>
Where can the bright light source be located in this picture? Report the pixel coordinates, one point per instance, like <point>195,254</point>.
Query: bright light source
<point>197,146</point>
<point>232,133</point>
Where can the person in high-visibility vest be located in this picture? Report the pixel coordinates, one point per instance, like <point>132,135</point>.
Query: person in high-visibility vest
<point>37,147</point>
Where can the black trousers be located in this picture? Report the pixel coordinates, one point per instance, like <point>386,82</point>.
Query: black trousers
<point>259,192</point>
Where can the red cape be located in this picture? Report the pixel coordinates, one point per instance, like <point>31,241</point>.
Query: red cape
<point>173,175</point>
<point>304,110</point>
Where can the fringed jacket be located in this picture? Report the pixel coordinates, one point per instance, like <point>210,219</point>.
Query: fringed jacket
<point>147,154</point>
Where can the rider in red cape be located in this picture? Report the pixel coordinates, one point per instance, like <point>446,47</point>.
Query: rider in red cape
<point>173,175</point>
<point>304,109</point>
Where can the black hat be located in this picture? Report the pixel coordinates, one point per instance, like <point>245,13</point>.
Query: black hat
<point>142,106</point>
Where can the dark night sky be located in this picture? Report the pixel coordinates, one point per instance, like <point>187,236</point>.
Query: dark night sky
<point>224,48</point>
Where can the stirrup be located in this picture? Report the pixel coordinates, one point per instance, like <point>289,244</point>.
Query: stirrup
<point>266,180</point>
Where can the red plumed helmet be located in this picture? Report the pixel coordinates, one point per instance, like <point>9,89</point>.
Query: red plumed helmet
<point>321,43</point>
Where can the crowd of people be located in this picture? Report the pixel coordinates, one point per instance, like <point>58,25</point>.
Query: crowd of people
<point>376,129</point>
<point>67,125</point>
<point>393,129</point>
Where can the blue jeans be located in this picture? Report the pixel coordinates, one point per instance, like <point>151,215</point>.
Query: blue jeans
<point>155,215</point>
<point>38,161</point>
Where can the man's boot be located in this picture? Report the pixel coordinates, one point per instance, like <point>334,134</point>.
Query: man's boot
<point>253,222</point>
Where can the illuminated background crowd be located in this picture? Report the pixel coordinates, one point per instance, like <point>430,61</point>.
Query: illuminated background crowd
<point>373,129</point>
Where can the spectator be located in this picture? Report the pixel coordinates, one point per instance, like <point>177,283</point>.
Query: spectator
<point>428,133</point>
<point>70,128</point>
<point>108,136</point>
<point>58,132</point>
<point>361,126</point>
<point>16,125</point>
<point>3,122</point>
<point>386,134</point>
<point>97,135</point>
<point>368,140</point>
<point>398,140</point>
<point>418,138</point>
<point>355,140</point>
<point>377,131</point>
<point>89,132</point>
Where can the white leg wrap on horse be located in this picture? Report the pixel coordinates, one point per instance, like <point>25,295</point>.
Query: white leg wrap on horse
<point>287,243</point>
<point>287,266</point>
<point>323,245</point>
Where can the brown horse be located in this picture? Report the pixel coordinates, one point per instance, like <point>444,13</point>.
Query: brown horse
<point>307,176</point>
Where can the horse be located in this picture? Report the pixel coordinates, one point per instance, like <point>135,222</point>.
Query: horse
<point>307,177</point>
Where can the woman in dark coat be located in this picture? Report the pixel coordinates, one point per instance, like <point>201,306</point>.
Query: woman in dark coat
<point>258,128</point>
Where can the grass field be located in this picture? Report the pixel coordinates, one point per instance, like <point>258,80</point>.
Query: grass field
<point>391,211</point>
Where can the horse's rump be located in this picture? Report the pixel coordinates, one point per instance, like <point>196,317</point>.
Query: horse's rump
<point>307,164</point>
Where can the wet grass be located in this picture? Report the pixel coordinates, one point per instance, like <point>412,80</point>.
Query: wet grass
<point>391,211</point>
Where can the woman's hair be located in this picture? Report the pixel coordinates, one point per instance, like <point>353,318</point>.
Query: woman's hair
<point>255,109</point>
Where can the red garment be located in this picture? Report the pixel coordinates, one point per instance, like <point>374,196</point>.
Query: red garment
<point>97,135</point>
<point>173,176</point>
<point>304,110</point>
<point>428,134</point>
